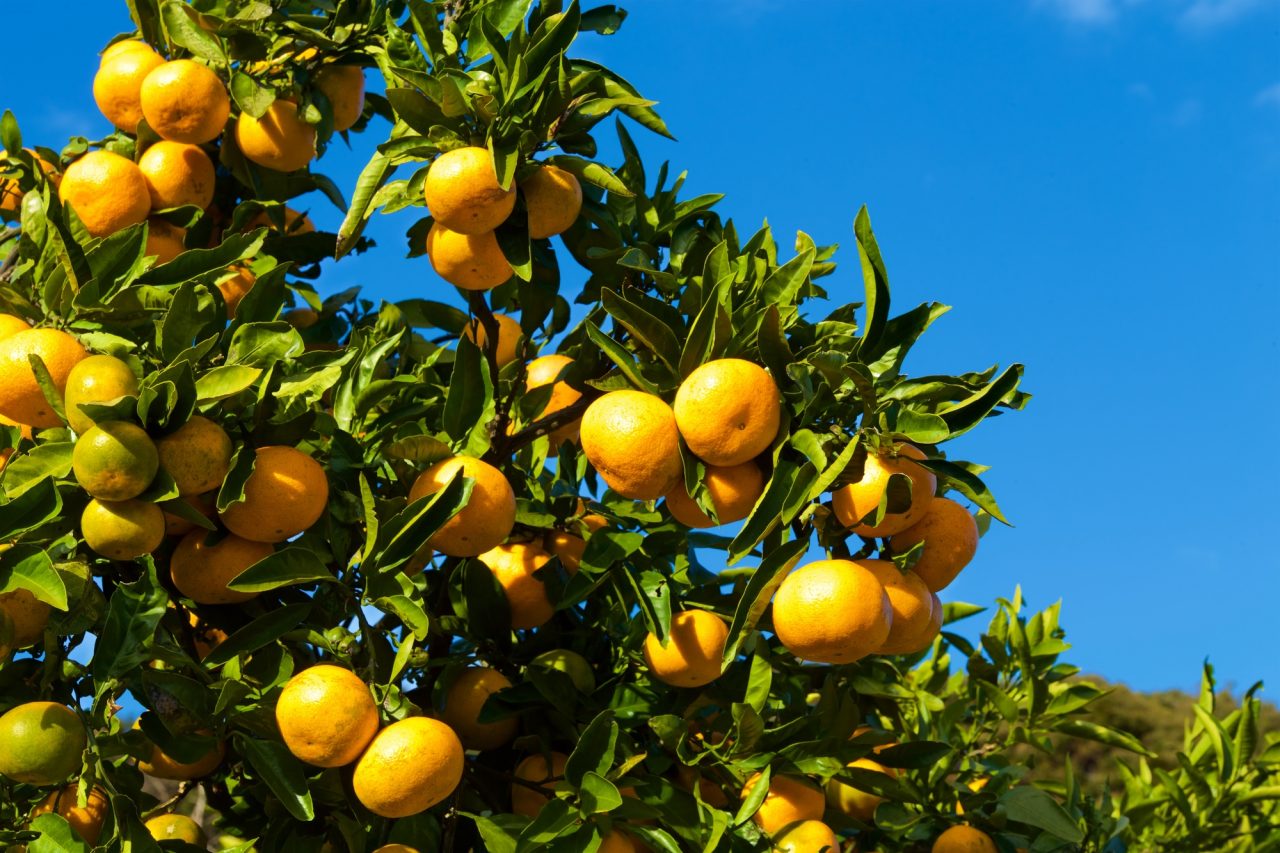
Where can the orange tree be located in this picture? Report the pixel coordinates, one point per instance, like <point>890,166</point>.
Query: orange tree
<point>650,563</point>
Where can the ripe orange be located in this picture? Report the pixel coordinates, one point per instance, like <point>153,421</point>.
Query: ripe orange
<point>197,455</point>
<point>807,836</point>
<point>234,286</point>
<point>855,501</point>
<point>463,194</point>
<point>326,716</point>
<point>790,799</point>
<point>536,769</point>
<point>569,546</point>
<point>912,606</point>
<point>40,743</point>
<point>115,461</point>
<point>162,766</point>
<point>184,101</point>
<point>286,494</point>
<point>463,700</point>
<point>468,261</point>
<point>201,572</point>
<point>119,48</point>
<point>617,841</point>
<point>117,87</point>
<point>396,848</point>
<point>509,333</point>
<point>831,611</point>
<point>106,191</point>
<point>409,767</point>
<point>86,820</point>
<point>176,827</point>
<point>164,240</point>
<point>728,411</point>
<point>122,530</point>
<point>543,371</point>
<point>852,801</point>
<point>964,839</point>
<point>734,491</point>
<point>571,664</point>
<point>553,198</point>
<point>11,325</point>
<point>177,173</point>
<point>950,537</point>
<point>29,615</point>
<point>343,85</point>
<point>631,439</point>
<point>279,140</point>
<point>513,566</point>
<point>96,379</point>
<point>21,399</point>
<point>485,521</point>
<point>691,657</point>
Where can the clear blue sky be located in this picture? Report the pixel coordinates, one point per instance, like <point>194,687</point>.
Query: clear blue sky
<point>1093,184</point>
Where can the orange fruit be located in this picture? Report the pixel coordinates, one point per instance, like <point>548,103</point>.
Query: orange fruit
<point>29,615</point>
<point>617,841</point>
<point>119,48</point>
<point>468,261</point>
<point>40,743</point>
<point>286,494</point>
<point>513,566</point>
<point>734,491</point>
<point>184,101</point>
<point>409,767</point>
<point>857,500</point>
<point>790,799</point>
<point>396,848</point>
<point>728,411</point>
<point>692,655</point>
<point>96,379</point>
<point>234,286</point>
<point>831,611</point>
<point>11,190</point>
<point>122,530</point>
<point>553,198</point>
<point>21,399</point>
<point>631,439</point>
<point>806,836</point>
<point>852,801</point>
<point>201,572</point>
<point>162,766</point>
<point>11,325</point>
<point>177,173</point>
<point>463,194</point>
<point>543,371</point>
<point>485,521</point>
<point>205,637</point>
<point>326,716</point>
<point>106,191</point>
<point>343,85</point>
<point>164,240</point>
<point>570,547</point>
<point>912,606</point>
<point>964,839</point>
<point>279,140</point>
<point>117,87</point>
<point>509,333</point>
<point>176,827</point>
<point>86,820</point>
<point>950,537</point>
<point>571,664</point>
<point>536,769</point>
<point>115,461</point>
<point>197,455</point>
<point>464,698</point>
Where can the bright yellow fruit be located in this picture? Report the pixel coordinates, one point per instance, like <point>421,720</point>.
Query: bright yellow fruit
<point>117,87</point>
<point>553,198</point>
<point>543,371</point>
<point>21,399</point>
<point>197,455</point>
<point>115,461</point>
<point>40,743</point>
<point>857,500</point>
<point>631,439</point>
<point>96,379</point>
<point>122,530</point>
<point>485,521</point>
<point>734,491</point>
<point>177,173</point>
<point>86,820</point>
<point>832,611</point>
<point>513,566</point>
<point>509,333</point>
<point>343,85</point>
<point>164,240</point>
<point>201,572</point>
<point>286,494</point>
<point>728,411</point>
<point>852,801</point>
<point>463,194</point>
<point>526,801</point>
<point>279,140</point>
<point>692,655</point>
<point>468,261</point>
<point>950,537</point>
<point>463,700</point>
<point>326,716</point>
<point>106,191</point>
<point>790,799</point>
<point>912,606</point>
<point>184,101</point>
<point>964,839</point>
<point>806,836</point>
<point>29,615</point>
<point>11,325</point>
<point>409,767</point>
<point>176,827</point>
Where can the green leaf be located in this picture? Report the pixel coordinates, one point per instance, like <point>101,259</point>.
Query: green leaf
<point>647,329</point>
<point>29,567</point>
<point>35,467</point>
<point>274,764</point>
<point>968,413</point>
<point>595,750</point>
<point>1102,734</point>
<point>620,356</point>
<point>875,281</point>
<point>403,535</point>
<point>1034,807</point>
<point>598,795</point>
<point>263,631</point>
<point>10,136</point>
<point>38,504</point>
<point>232,491</point>
<point>252,97</point>
<point>375,173</point>
<point>56,836</point>
<point>470,392</point>
<point>591,172</point>
<point>759,592</point>
<point>967,483</point>
<point>488,612</point>
<point>263,344</point>
<point>185,32</point>
<point>498,831</point>
<point>291,566</point>
<point>225,381</point>
<point>134,611</point>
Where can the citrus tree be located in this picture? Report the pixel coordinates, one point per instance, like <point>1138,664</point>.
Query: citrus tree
<point>629,534</point>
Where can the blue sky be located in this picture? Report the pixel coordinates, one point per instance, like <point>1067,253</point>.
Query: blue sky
<point>1093,184</point>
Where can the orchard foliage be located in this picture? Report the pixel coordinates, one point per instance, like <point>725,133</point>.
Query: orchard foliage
<point>647,285</point>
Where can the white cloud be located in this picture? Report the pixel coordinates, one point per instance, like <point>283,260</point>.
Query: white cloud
<point>1268,97</point>
<point>1211,14</point>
